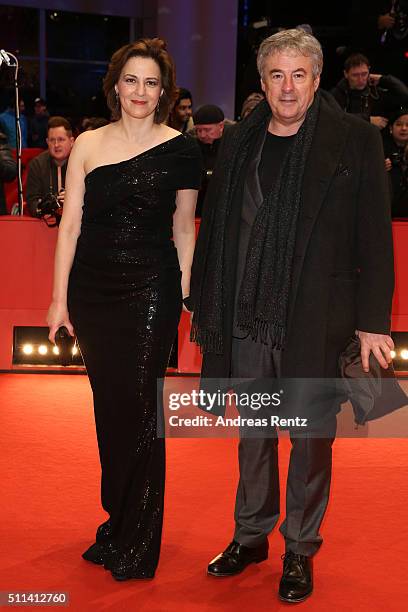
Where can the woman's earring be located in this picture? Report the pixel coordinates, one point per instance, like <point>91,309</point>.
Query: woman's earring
<point>158,103</point>
<point>117,98</point>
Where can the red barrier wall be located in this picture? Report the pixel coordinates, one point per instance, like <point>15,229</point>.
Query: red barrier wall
<point>10,189</point>
<point>26,271</point>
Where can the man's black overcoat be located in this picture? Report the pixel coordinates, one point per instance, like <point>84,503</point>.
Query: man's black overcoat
<point>343,276</point>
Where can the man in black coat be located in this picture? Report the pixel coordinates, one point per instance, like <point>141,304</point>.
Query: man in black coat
<point>373,97</point>
<point>293,257</point>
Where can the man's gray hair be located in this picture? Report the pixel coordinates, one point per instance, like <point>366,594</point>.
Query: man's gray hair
<point>297,41</point>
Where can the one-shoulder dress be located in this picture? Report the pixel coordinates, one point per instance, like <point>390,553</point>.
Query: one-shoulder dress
<point>125,301</point>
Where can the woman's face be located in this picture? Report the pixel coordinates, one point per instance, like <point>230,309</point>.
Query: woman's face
<point>139,87</point>
<point>399,130</point>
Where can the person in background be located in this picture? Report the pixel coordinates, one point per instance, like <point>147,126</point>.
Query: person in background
<point>47,171</point>
<point>250,103</point>
<point>8,123</point>
<point>209,123</point>
<point>180,117</point>
<point>8,170</point>
<point>371,96</point>
<point>38,124</point>
<point>395,151</point>
<point>93,123</point>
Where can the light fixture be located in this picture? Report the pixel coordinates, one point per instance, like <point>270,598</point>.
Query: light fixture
<point>393,354</point>
<point>32,347</point>
<point>404,354</point>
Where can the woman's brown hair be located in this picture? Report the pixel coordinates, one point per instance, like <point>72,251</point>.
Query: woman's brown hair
<point>154,48</point>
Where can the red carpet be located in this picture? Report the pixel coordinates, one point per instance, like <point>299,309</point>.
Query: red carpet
<point>50,508</point>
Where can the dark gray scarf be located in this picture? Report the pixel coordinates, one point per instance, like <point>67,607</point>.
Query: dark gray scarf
<point>264,294</point>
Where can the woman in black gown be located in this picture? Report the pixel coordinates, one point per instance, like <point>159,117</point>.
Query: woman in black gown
<point>119,283</point>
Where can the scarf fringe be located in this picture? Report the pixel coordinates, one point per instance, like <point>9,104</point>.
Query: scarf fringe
<point>208,341</point>
<point>272,334</point>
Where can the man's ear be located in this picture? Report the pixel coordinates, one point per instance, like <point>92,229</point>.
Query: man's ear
<point>262,85</point>
<point>316,82</point>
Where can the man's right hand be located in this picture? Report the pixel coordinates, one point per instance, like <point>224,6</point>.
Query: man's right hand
<point>379,122</point>
<point>61,197</point>
<point>388,164</point>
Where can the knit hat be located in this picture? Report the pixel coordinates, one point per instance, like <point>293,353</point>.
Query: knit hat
<point>396,114</point>
<point>209,113</point>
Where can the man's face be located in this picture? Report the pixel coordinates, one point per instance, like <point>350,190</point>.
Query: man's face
<point>208,132</point>
<point>39,108</point>
<point>357,77</point>
<point>184,110</point>
<point>289,86</point>
<point>59,143</point>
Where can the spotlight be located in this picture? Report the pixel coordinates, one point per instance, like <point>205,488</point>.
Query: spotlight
<point>75,350</point>
<point>393,354</point>
<point>31,347</point>
<point>404,354</point>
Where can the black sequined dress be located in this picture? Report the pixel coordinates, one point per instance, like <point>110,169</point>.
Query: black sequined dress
<point>124,300</point>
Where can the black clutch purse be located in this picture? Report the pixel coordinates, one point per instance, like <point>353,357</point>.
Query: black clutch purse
<point>372,394</point>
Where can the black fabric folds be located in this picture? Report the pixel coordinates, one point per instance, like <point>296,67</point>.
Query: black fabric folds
<point>372,394</point>
<point>264,293</point>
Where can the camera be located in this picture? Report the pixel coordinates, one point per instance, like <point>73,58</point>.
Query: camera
<point>397,158</point>
<point>49,208</point>
<point>48,205</point>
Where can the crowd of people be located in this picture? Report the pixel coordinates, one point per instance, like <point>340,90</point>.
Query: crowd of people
<point>381,99</point>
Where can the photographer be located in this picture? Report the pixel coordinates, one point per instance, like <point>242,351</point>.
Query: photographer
<point>371,96</point>
<point>46,172</point>
<point>395,146</point>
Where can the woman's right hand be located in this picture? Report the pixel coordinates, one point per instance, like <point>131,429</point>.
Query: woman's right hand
<point>57,317</point>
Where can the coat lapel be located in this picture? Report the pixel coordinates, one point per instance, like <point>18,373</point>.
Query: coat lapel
<point>321,166</point>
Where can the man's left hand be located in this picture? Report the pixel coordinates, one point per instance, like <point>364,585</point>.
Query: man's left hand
<point>378,344</point>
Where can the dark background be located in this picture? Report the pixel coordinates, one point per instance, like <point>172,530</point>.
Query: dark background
<point>341,28</point>
<point>77,46</point>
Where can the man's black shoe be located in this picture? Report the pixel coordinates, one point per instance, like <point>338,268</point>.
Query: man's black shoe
<point>236,557</point>
<point>297,580</point>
